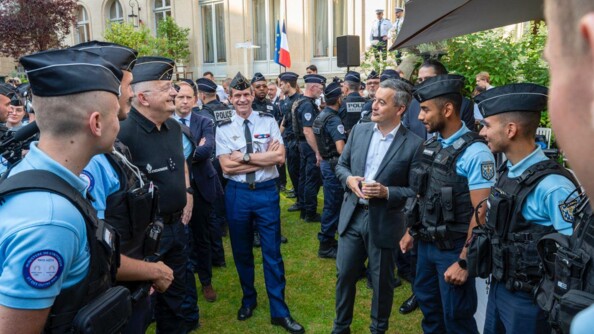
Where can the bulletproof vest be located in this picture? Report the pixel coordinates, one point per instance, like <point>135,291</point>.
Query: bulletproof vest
<point>218,112</point>
<point>133,206</point>
<point>515,261</point>
<point>366,113</point>
<point>567,286</point>
<point>296,119</point>
<point>3,131</point>
<point>265,106</point>
<point>286,110</point>
<point>353,104</point>
<point>326,145</point>
<point>102,241</point>
<point>445,206</point>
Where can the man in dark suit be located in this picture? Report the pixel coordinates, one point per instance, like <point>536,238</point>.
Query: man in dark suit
<point>374,169</point>
<point>204,181</point>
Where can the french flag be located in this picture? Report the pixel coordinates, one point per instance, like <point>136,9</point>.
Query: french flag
<point>284,54</point>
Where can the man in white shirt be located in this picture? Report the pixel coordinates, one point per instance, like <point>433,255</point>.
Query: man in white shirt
<point>378,36</point>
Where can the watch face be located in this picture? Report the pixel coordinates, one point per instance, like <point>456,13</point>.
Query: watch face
<point>246,157</point>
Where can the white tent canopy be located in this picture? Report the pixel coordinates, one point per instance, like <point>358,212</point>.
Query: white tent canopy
<point>436,20</point>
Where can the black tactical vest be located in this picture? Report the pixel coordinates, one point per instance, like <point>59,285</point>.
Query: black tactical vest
<point>445,206</point>
<point>353,106</point>
<point>133,207</point>
<point>217,111</point>
<point>102,241</point>
<point>366,113</point>
<point>514,256</point>
<point>296,116</point>
<point>326,145</point>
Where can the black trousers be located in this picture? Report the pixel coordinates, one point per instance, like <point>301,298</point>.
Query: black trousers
<point>201,254</point>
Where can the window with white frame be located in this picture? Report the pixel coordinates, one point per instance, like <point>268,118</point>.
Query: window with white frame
<point>116,14</point>
<point>161,10</point>
<point>265,15</point>
<point>83,26</point>
<point>325,29</point>
<point>214,49</point>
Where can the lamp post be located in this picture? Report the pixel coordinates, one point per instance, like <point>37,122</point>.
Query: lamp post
<point>132,15</point>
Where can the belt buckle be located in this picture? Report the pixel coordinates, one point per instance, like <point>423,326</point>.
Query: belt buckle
<point>252,186</point>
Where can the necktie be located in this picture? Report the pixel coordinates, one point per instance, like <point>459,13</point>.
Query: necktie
<point>397,26</point>
<point>183,121</point>
<point>379,29</point>
<point>251,176</point>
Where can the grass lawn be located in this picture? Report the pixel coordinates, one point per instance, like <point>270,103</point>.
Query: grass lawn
<point>309,292</point>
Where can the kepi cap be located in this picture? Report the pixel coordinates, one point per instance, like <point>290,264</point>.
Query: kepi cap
<point>514,97</point>
<point>67,72</point>
<point>206,85</point>
<point>121,56</point>
<point>239,82</point>
<point>438,86</point>
<point>7,90</point>
<point>153,69</point>
<point>314,78</point>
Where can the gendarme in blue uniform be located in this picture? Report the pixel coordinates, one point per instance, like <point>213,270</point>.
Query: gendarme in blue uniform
<point>309,172</point>
<point>43,242</point>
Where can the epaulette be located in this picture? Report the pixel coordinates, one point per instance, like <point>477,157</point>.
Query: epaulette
<point>430,140</point>
<point>221,123</point>
<point>264,113</point>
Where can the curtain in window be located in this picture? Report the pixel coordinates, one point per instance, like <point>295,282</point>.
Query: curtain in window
<point>207,34</point>
<point>220,22</point>
<point>340,21</point>
<point>320,28</point>
<point>259,10</point>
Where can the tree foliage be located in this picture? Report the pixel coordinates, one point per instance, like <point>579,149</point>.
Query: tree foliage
<point>172,41</point>
<point>28,26</point>
<point>139,39</point>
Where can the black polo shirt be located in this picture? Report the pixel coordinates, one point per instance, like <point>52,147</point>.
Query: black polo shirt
<point>160,155</point>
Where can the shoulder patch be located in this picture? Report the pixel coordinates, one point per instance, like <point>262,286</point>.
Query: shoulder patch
<point>307,116</point>
<point>488,170</point>
<point>567,209</point>
<point>340,129</point>
<point>43,268</point>
<point>88,177</point>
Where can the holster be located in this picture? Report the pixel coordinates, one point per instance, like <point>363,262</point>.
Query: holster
<point>478,255</point>
<point>108,313</point>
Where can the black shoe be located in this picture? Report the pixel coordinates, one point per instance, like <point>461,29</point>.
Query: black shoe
<point>327,250</point>
<point>312,218</point>
<point>294,207</point>
<point>219,264</point>
<point>284,239</point>
<point>246,312</point>
<point>289,324</point>
<point>397,282</point>
<point>257,242</point>
<point>409,305</point>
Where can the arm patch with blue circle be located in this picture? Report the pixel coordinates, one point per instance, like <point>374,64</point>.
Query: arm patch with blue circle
<point>43,268</point>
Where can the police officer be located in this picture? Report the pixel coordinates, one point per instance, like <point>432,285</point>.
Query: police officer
<point>156,145</point>
<point>288,85</point>
<point>249,147</point>
<point>7,92</point>
<point>373,81</point>
<point>53,263</point>
<point>211,107</point>
<point>530,199</point>
<point>457,171</point>
<point>380,29</point>
<point>352,106</point>
<point>386,74</point>
<point>304,113</point>
<point>110,179</point>
<point>330,138</point>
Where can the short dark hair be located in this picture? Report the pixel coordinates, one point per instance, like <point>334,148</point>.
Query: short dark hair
<point>208,73</point>
<point>437,66</point>
<point>528,121</point>
<point>454,99</point>
<point>333,101</point>
<point>312,68</point>
<point>292,83</point>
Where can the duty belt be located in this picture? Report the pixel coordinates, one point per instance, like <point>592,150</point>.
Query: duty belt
<point>171,218</point>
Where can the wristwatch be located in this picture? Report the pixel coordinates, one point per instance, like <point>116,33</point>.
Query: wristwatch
<point>462,263</point>
<point>246,158</point>
<point>190,190</point>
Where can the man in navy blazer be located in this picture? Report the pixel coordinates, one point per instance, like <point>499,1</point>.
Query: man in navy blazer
<point>205,184</point>
<point>375,170</point>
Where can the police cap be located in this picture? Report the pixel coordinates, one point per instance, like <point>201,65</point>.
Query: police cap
<point>206,85</point>
<point>372,75</point>
<point>513,97</point>
<point>66,72</point>
<point>398,9</point>
<point>438,86</point>
<point>258,77</point>
<point>389,74</point>
<point>7,90</point>
<point>239,82</point>
<point>353,76</point>
<point>121,56</point>
<point>314,78</point>
<point>377,11</point>
<point>288,76</point>
<point>332,90</point>
<point>153,69</point>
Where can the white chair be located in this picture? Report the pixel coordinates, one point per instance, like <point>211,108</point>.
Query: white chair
<point>546,132</point>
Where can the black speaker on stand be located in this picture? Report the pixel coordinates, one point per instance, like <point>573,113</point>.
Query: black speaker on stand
<point>347,51</point>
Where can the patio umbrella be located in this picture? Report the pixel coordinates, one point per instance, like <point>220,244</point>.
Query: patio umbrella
<point>436,20</point>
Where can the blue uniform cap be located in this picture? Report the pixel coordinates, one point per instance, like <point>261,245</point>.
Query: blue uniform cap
<point>288,76</point>
<point>258,77</point>
<point>389,74</point>
<point>153,69</point>
<point>372,75</point>
<point>67,72</point>
<point>314,78</point>
<point>332,90</point>
<point>438,86</point>
<point>206,85</point>
<point>239,82</point>
<point>7,90</point>
<point>121,56</point>
<point>514,97</point>
<point>353,76</point>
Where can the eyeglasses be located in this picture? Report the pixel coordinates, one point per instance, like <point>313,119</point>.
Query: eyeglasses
<point>164,89</point>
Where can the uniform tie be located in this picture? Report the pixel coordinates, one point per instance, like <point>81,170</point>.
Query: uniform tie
<point>397,26</point>
<point>183,121</point>
<point>251,176</point>
<point>379,29</point>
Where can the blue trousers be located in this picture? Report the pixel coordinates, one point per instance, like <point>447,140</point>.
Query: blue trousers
<point>513,312</point>
<point>447,308</point>
<point>309,178</point>
<point>260,206</point>
<point>333,194</point>
<point>294,167</point>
